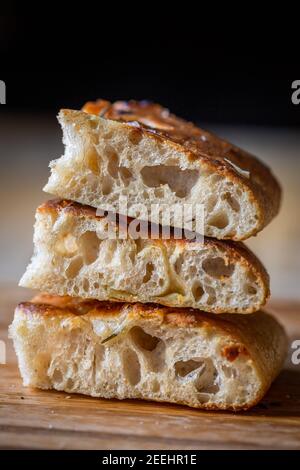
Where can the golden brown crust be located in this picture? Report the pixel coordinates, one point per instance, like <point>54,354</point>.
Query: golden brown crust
<point>237,251</point>
<point>47,304</point>
<point>218,154</point>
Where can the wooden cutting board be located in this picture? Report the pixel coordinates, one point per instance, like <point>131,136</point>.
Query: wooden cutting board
<point>40,419</point>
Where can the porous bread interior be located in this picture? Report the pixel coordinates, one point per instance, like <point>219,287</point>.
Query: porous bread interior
<point>73,256</point>
<point>134,357</point>
<point>105,160</point>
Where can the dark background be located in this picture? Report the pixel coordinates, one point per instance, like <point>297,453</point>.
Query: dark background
<point>227,73</point>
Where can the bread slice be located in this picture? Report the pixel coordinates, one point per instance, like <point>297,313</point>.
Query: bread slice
<point>116,350</point>
<point>75,255</point>
<point>142,152</point>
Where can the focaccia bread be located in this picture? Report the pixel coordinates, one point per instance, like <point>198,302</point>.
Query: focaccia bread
<point>76,255</point>
<point>142,152</point>
<point>115,350</point>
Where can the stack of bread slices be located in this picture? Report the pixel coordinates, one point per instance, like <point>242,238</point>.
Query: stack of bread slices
<point>173,319</point>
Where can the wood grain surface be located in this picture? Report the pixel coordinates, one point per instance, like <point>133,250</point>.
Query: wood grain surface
<point>40,419</point>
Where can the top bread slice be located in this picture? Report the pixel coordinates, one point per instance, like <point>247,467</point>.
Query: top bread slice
<point>142,152</point>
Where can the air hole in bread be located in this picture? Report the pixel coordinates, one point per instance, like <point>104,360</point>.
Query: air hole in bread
<point>57,377</point>
<point>199,370</point>
<point>107,186</point>
<point>192,271</point>
<point>85,285</point>
<point>179,181</point>
<point>204,397</point>
<point>156,359</point>
<point>216,267</point>
<point>113,162</point>
<point>69,384</point>
<point>135,136</point>
<point>131,256</point>
<point>219,220</point>
<point>125,174</point>
<point>155,386</point>
<point>250,289</point>
<point>197,291</point>
<point>232,202</point>
<point>74,267</point>
<point>98,357</point>
<point>109,248</point>
<point>114,169</point>
<point>148,273</point>
<point>178,264</point>
<point>172,161</point>
<point>42,362</point>
<point>143,340</point>
<point>210,204</point>
<point>185,368</point>
<point>153,348</point>
<point>93,123</point>
<point>92,161</point>
<point>231,234</point>
<point>229,372</point>
<point>89,246</point>
<point>206,378</point>
<point>108,134</point>
<point>66,246</point>
<point>131,366</point>
<point>139,245</point>
<point>211,295</point>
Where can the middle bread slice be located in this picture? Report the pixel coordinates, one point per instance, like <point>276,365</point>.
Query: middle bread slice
<point>74,256</point>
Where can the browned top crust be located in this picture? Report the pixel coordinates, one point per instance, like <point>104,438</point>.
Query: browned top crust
<point>156,120</point>
<point>237,251</point>
<point>47,304</point>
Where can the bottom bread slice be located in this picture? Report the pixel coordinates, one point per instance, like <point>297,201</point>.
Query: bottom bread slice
<point>145,351</point>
